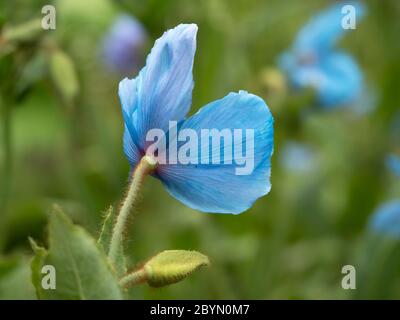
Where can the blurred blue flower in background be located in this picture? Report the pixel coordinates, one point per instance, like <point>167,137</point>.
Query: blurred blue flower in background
<point>124,44</point>
<point>393,163</point>
<point>313,62</point>
<point>162,92</point>
<point>386,219</point>
<point>297,156</point>
<point>394,128</point>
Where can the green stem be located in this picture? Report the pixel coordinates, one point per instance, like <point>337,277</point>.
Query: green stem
<point>133,278</point>
<point>7,152</point>
<point>7,160</point>
<point>145,166</point>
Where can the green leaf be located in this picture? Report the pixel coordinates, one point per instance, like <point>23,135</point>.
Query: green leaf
<point>62,70</point>
<point>171,266</point>
<point>82,269</point>
<point>106,230</point>
<point>105,239</point>
<point>36,265</point>
<point>27,31</point>
<point>15,281</point>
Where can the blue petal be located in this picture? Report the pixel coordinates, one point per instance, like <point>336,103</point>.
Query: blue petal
<point>322,32</point>
<point>216,187</point>
<point>128,94</point>
<point>337,78</point>
<point>341,82</point>
<point>386,219</point>
<point>131,150</point>
<point>129,100</point>
<point>163,89</point>
<point>393,163</point>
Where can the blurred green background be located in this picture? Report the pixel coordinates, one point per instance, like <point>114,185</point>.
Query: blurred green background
<point>61,142</point>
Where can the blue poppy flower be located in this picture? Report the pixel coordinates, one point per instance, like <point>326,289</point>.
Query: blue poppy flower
<point>161,94</point>
<point>393,163</point>
<point>386,219</point>
<point>123,45</point>
<point>313,62</point>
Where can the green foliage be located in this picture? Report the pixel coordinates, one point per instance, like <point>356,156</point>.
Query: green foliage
<point>82,270</point>
<point>290,244</point>
<point>15,279</point>
<point>378,267</point>
<point>63,73</point>
<point>25,32</point>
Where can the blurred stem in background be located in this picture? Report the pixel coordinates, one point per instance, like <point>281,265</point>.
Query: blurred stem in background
<point>14,55</point>
<point>6,167</point>
<point>65,80</point>
<point>378,263</point>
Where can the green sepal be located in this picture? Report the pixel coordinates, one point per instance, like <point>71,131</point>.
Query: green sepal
<point>171,266</point>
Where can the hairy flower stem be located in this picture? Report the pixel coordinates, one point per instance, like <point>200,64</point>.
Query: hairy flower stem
<point>133,278</point>
<point>145,166</point>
